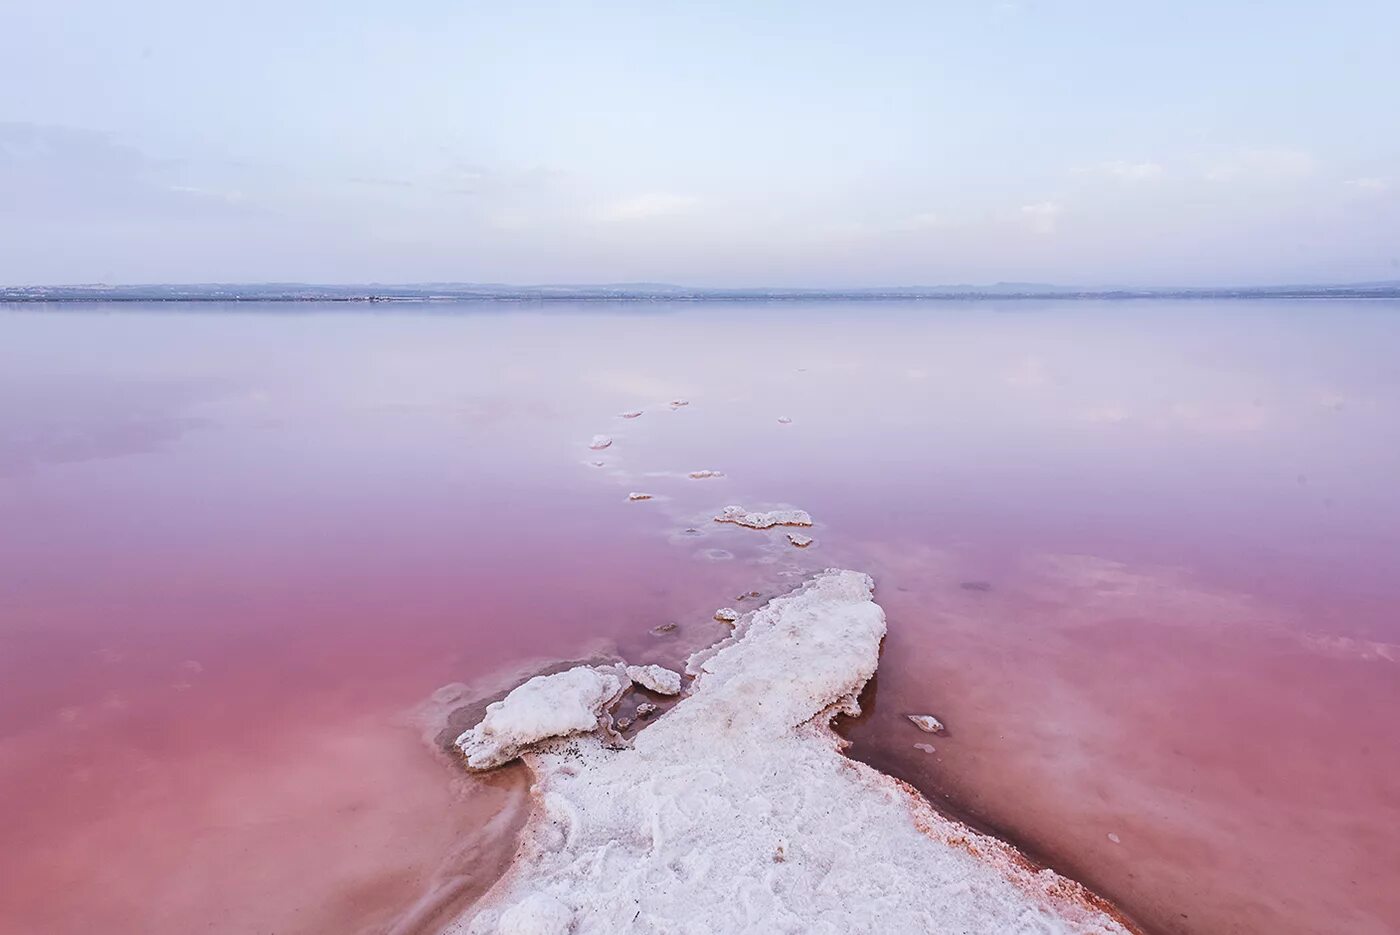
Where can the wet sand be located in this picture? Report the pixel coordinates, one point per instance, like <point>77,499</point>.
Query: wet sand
<point>239,550</point>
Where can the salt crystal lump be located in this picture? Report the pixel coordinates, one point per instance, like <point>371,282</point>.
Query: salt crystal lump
<point>600,442</point>
<point>926,723</point>
<point>546,706</point>
<point>656,678</point>
<point>742,517</point>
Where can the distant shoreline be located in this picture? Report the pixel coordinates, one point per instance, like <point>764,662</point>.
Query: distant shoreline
<point>505,294</point>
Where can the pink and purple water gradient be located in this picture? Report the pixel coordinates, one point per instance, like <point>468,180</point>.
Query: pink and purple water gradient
<point>1141,558</point>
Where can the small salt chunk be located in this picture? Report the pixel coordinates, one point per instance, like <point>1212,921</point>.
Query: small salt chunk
<point>634,495</point>
<point>656,678</point>
<point>597,463</point>
<point>742,517</point>
<point>663,628</point>
<point>632,414</point>
<point>1114,838</point>
<point>784,420</point>
<point>726,615</point>
<point>678,403</point>
<point>600,442</point>
<point>623,723</point>
<point>926,747</point>
<point>701,475</point>
<point>926,723</point>
<point>646,709</point>
<point>799,540</point>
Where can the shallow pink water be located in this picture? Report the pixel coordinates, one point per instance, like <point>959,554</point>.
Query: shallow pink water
<point>239,547</point>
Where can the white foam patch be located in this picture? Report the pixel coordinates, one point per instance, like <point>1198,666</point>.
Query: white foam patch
<point>656,678</point>
<point>742,517</point>
<point>736,812</point>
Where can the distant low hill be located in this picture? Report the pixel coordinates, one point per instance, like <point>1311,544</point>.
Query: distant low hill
<point>653,292</point>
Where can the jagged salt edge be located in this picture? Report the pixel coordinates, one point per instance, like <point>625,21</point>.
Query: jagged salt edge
<point>737,811</point>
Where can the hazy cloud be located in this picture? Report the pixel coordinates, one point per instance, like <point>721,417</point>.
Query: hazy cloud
<point>1132,171</point>
<point>647,206</point>
<point>1260,165</point>
<point>1043,216</point>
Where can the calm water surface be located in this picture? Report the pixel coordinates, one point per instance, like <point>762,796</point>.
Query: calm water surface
<point>1140,557</point>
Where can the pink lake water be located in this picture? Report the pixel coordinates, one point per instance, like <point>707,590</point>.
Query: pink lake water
<point>1141,558</point>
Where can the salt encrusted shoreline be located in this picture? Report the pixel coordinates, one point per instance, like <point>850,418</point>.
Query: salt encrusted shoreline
<point>735,811</point>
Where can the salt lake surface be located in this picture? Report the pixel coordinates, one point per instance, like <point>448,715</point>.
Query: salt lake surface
<point>1139,557</point>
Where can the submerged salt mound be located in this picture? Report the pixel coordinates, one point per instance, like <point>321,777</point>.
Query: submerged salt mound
<point>656,678</point>
<point>546,706</point>
<point>742,517</point>
<point>600,442</point>
<point>736,812</point>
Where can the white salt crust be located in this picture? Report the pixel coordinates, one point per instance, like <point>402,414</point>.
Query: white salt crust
<point>632,414</point>
<point>600,442</point>
<point>727,615</point>
<point>636,495</point>
<point>736,812</point>
<point>545,706</point>
<point>742,517</point>
<point>799,540</point>
<point>702,475</point>
<point>656,678</point>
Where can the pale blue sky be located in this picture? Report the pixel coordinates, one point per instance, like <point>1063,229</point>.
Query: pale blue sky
<point>821,144</point>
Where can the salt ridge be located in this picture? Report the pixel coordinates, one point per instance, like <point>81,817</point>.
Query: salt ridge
<point>735,811</point>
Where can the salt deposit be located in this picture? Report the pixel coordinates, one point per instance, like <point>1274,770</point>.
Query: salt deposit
<point>701,475</point>
<point>735,810</point>
<point>545,706</point>
<point>656,678</point>
<point>632,414</point>
<point>634,495</point>
<point>742,517</point>
<point>727,615</point>
<point>799,540</point>
<point>646,709</point>
<point>600,442</point>
<point>926,723</point>
<point>784,420</point>
<point>678,403</point>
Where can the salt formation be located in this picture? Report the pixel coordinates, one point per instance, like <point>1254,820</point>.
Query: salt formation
<point>656,678</point>
<point>678,403</point>
<point>701,475</point>
<point>736,812</point>
<point>646,709</point>
<point>784,420</point>
<point>634,495</point>
<point>727,615</point>
<point>600,442</point>
<point>546,706</point>
<point>799,540</point>
<point>742,517</point>
<point>632,414</point>
<point>926,723</point>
